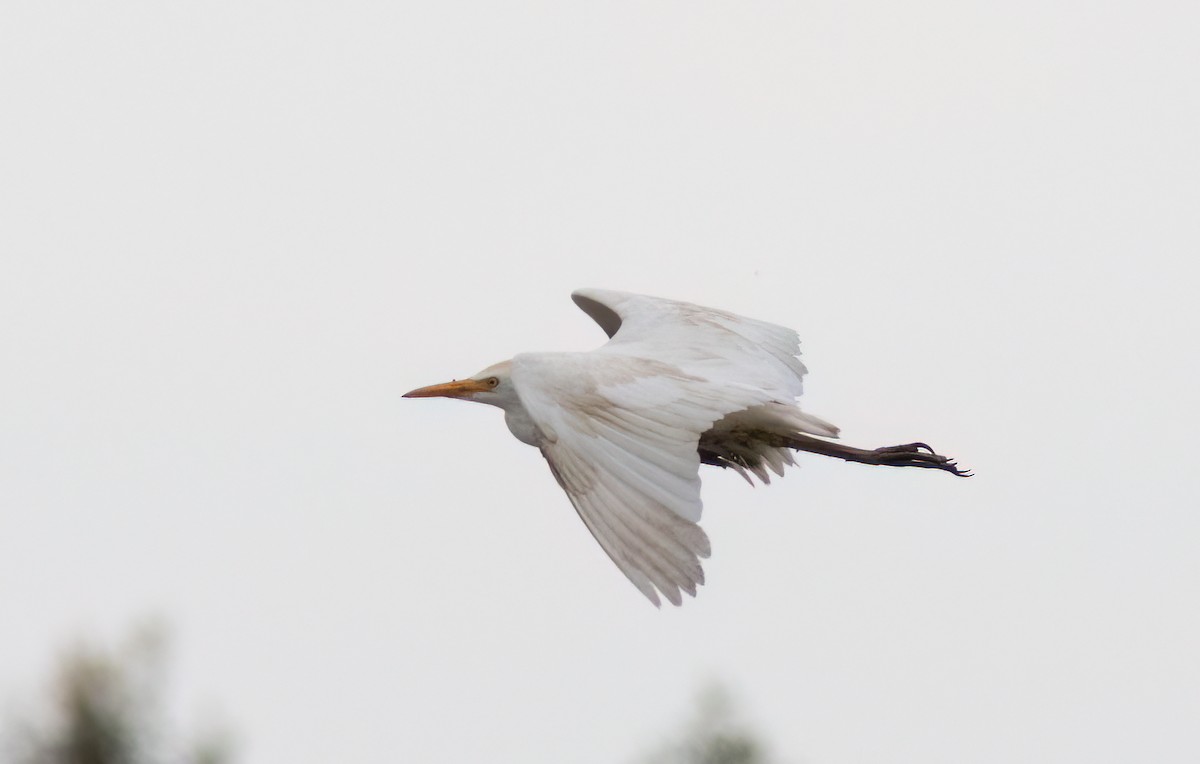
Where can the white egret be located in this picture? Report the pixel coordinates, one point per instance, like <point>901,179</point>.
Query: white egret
<point>625,427</point>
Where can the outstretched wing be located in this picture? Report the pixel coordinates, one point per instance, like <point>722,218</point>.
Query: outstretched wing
<point>622,424</point>
<point>620,434</point>
<point>721,346</point>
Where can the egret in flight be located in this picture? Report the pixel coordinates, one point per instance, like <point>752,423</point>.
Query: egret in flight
<point>626,427</point>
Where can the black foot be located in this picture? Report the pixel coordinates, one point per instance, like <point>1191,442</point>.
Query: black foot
<point>917,455</point>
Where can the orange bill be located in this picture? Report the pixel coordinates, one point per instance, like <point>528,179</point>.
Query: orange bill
<point>457,389</point>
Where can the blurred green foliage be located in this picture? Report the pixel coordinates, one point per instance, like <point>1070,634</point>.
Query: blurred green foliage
<point>713,736</point>
<point>106,707</point>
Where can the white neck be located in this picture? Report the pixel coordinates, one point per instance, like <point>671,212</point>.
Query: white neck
<point>521,425</point>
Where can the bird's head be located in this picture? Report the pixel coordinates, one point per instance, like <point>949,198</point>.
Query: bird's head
<point>493,385</point>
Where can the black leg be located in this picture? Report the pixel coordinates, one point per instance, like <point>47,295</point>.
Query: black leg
<point>906,455</point>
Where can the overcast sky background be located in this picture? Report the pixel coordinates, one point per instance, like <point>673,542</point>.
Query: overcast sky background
<point>233,234</point>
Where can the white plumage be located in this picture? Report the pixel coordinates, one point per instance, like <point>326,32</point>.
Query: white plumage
<point>625,427</point>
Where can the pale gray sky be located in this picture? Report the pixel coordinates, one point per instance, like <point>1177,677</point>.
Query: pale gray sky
<point>232,234</point>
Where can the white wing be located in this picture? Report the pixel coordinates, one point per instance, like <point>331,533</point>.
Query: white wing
<point>721,346</point>
<point>620,434</point>
<point>622,423</point>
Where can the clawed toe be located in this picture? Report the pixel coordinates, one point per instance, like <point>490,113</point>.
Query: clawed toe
<point>918,455</point>
<point>905,448</point>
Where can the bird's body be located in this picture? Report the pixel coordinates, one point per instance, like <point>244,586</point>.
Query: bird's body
<point>625,427</point>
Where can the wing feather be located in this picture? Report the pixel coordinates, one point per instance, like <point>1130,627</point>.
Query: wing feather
<point>650,555</point>
<point>722,344</point>
<point>622,424</point>
<point>623,445</point>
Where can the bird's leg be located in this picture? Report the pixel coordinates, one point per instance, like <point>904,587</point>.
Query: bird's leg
<point>906,455</point>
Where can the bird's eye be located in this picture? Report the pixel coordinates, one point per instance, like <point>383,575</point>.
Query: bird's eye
<point>493,381</point>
